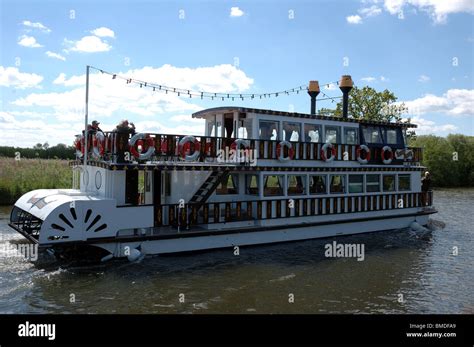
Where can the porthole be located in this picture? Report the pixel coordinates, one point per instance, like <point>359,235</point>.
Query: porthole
<point>98,180</point>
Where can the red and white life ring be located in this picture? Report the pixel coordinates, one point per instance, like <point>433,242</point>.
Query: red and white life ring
<point>143,141</point>
<point>359,152</point>
<point>237,146</point>
<point>323,152</point>
<point>98,144</point>
<point>383,151</point>
<point>185,146</point>
<point>280,150</point>
<point>79,146</point>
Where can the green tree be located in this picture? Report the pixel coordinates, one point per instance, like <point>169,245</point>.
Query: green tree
<point>367,103</point>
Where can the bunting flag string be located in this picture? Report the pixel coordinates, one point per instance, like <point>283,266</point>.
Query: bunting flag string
<point>211,95</point>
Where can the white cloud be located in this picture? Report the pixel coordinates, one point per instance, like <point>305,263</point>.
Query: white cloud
<point>371,11</point>
<point>384,79</point>
<point>12,77</point>
<point>236,12</point>
<point>423,78</point>
<point>28,41</point>
<point>55,55</point>
<point>109,97</point>
<point>438,10</point>
<point>88,44</point>
<point>330,86</point>
<point>103,32</point>
<point>368,79</point>
<point>73,81</point>
<point>426,127</point>
<point>355,19</point>
<point>36,25</point>
<point>455,102</point>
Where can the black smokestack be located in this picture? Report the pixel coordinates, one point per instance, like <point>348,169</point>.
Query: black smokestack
<point>345,85</point>
<point>313,91</point>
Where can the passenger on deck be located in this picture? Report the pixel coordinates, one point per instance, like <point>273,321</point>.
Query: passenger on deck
<point>124,129</point>
<point>425,187</point>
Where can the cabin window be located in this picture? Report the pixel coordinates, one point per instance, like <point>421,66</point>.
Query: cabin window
<point>351,136</point>
<point>337,184</point>
<point>273,185</point>
<point>317,184</point>
<point>312,133</point>
<point>388,183</point>
<point>291,131</point>
<point>356,183</point>
<point>268,130</point>
<point>392,136</point>
<point>167,183</point>
<point>296,185</point>
<point>251,184</point>
<point>211,128</point>
<point>245,128</point>
<point>230,186</point>
<point>332,134</point>
<point>372,134</point>
<point>403,182</point>
<point>372,183</point>
<point>219,129</point>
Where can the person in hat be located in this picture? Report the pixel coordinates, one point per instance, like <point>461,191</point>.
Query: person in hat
<point>94,127</point>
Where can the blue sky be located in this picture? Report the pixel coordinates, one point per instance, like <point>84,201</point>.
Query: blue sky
<point>422,50</point>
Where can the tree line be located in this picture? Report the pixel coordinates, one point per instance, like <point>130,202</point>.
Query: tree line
<point>42,151</point>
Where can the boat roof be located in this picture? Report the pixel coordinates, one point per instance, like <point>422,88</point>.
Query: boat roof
<point>224,109</point>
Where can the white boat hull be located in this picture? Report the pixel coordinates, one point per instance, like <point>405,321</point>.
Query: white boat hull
<point>197,243</point>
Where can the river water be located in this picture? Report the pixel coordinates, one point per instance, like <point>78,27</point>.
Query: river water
<point>263,279</point>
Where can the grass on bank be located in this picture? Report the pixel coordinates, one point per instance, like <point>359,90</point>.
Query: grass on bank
<point>20,176</point>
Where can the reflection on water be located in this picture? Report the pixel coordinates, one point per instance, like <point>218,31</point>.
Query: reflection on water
<point>261,279</point>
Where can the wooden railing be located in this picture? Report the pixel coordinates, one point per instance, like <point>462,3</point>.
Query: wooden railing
<point>235,211</point>
<point>167,146</point>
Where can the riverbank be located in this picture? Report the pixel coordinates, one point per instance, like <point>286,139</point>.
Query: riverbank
<point>20,176</point>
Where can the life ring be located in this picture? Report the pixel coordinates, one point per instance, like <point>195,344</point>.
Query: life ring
<point>142,139</point>
<point>185,146</point>
<point>384,150</point>
<point>237,145</point>
<point>367,154</point>
<point>79,146</point>
<point>323,152</point>
<point>98,144</point>
<point>280,150</point>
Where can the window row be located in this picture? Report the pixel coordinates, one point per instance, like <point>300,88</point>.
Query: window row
<point>294,131</point>
<point>274,185</point>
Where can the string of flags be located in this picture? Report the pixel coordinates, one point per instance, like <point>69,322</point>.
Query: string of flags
<point>212,95</point>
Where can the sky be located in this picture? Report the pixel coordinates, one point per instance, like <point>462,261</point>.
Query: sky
<point>422,50</point>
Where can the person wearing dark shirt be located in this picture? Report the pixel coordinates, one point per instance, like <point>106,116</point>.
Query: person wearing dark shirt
<point>425,187</point>
<point>124,129</point>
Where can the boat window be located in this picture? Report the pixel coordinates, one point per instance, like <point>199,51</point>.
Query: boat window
<point>167,183</point>
<point>372,183</point>
<point>337,184</point>
<point>291,131</point>
<point>296,185</point>
<point>388,183</point>
<point>356,183</point>
<point>219,129</point>
<point>211,128</point>
<point>403,182</point>
<point>273,185</point>
<point>251,184</point>
<point>391,136</point>
<point>332,134</point>
<point>312,133</point>
<point>317,184</point>
<point>245,128</point>
<point>351,136</point>
<point>372,134</point>
<point>230,186</point>
<point>268,130</point>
